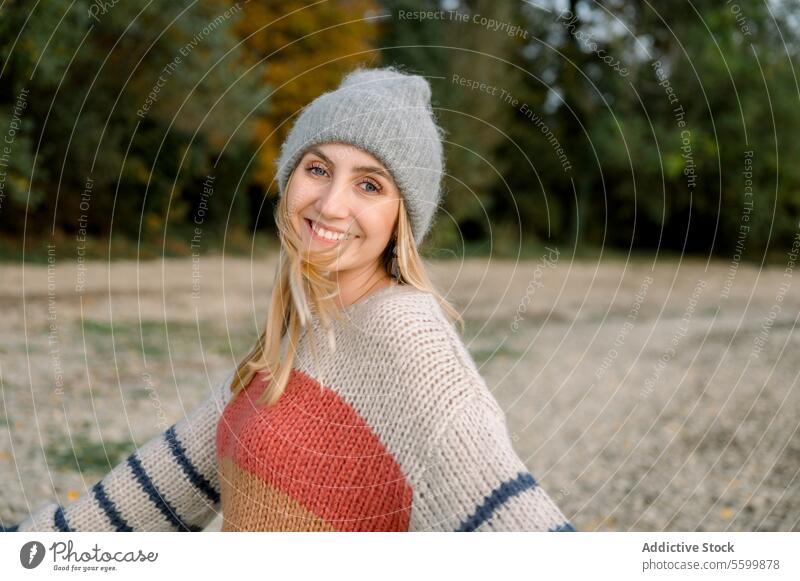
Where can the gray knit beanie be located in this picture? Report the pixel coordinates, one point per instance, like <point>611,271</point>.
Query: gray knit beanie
<point>388,114</point>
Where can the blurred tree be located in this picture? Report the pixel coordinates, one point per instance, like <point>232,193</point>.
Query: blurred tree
<point>640,171</point>
<point>309,48</point>
<point>454,52</point>
<point>575,136</point>
<point>129,104</point>
<point>710,83</point>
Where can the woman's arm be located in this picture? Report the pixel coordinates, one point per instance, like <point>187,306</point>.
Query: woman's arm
<point>470,478</point>
<point>473,480</point>
<point>168,484</point>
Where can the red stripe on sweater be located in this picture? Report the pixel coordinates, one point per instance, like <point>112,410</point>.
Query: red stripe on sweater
<point>317,449</point>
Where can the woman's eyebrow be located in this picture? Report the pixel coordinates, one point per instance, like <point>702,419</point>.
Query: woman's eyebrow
<point>359,169</point>
<point>371,169</point>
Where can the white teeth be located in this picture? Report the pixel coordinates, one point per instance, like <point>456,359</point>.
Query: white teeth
<point>327,234</point>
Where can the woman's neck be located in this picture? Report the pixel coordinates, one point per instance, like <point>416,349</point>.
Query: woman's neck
<point>352,293</point>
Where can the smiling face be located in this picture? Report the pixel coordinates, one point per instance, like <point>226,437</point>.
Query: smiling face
<point>340,196</point>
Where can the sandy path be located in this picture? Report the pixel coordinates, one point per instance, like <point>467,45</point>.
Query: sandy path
<point>676,410</point>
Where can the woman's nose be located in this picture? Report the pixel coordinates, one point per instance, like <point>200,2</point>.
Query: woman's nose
<point>334,202</point>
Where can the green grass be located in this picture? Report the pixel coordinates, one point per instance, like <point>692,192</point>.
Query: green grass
<point>150,337</point>
<point>241,243</point>
<point>86,456</point>
<point>498,327</point>
<point>495,329</point>
<point>176,245</point>
<point>129,337</point>
<point>482,356</point>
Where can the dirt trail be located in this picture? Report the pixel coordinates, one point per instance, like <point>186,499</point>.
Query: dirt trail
<point>640,398</point>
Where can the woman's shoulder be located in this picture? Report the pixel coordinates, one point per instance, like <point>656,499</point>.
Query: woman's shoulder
<point>424,347</point>
<point>405,311</point>
<point>395,295</point>
<point>417,333</point>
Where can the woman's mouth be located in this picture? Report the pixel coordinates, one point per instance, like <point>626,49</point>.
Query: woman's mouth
<point>325,236</point>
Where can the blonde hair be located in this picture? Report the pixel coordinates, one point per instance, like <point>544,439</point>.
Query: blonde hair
<point>302,287</point>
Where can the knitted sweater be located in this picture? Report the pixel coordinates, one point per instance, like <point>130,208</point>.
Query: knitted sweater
<point>394,430</point>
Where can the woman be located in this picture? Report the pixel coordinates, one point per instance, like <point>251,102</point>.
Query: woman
<point>359,408</point>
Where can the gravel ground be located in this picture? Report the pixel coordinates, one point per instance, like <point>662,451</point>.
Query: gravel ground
<point>641,397</point>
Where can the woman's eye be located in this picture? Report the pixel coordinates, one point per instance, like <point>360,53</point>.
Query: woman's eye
<point>368,186</point>
<point>317,170</point>
<point>372,188</point>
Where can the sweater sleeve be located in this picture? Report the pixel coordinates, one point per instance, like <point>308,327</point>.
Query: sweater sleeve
<point>168,484</point>
<point>470,478</point>
<point>473,480</point>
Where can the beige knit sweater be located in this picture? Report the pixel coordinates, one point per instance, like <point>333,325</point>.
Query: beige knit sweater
<point>393,430</point>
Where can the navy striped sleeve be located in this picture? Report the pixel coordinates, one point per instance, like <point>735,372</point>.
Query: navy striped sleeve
<point>110,509</point>
<point>496,499</point>
<point>155,497</point>
<point>60,520</point>
<point>473,479</point>
<point>197,479</point>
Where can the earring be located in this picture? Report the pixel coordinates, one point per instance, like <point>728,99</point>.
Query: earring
<point>395,266</point>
